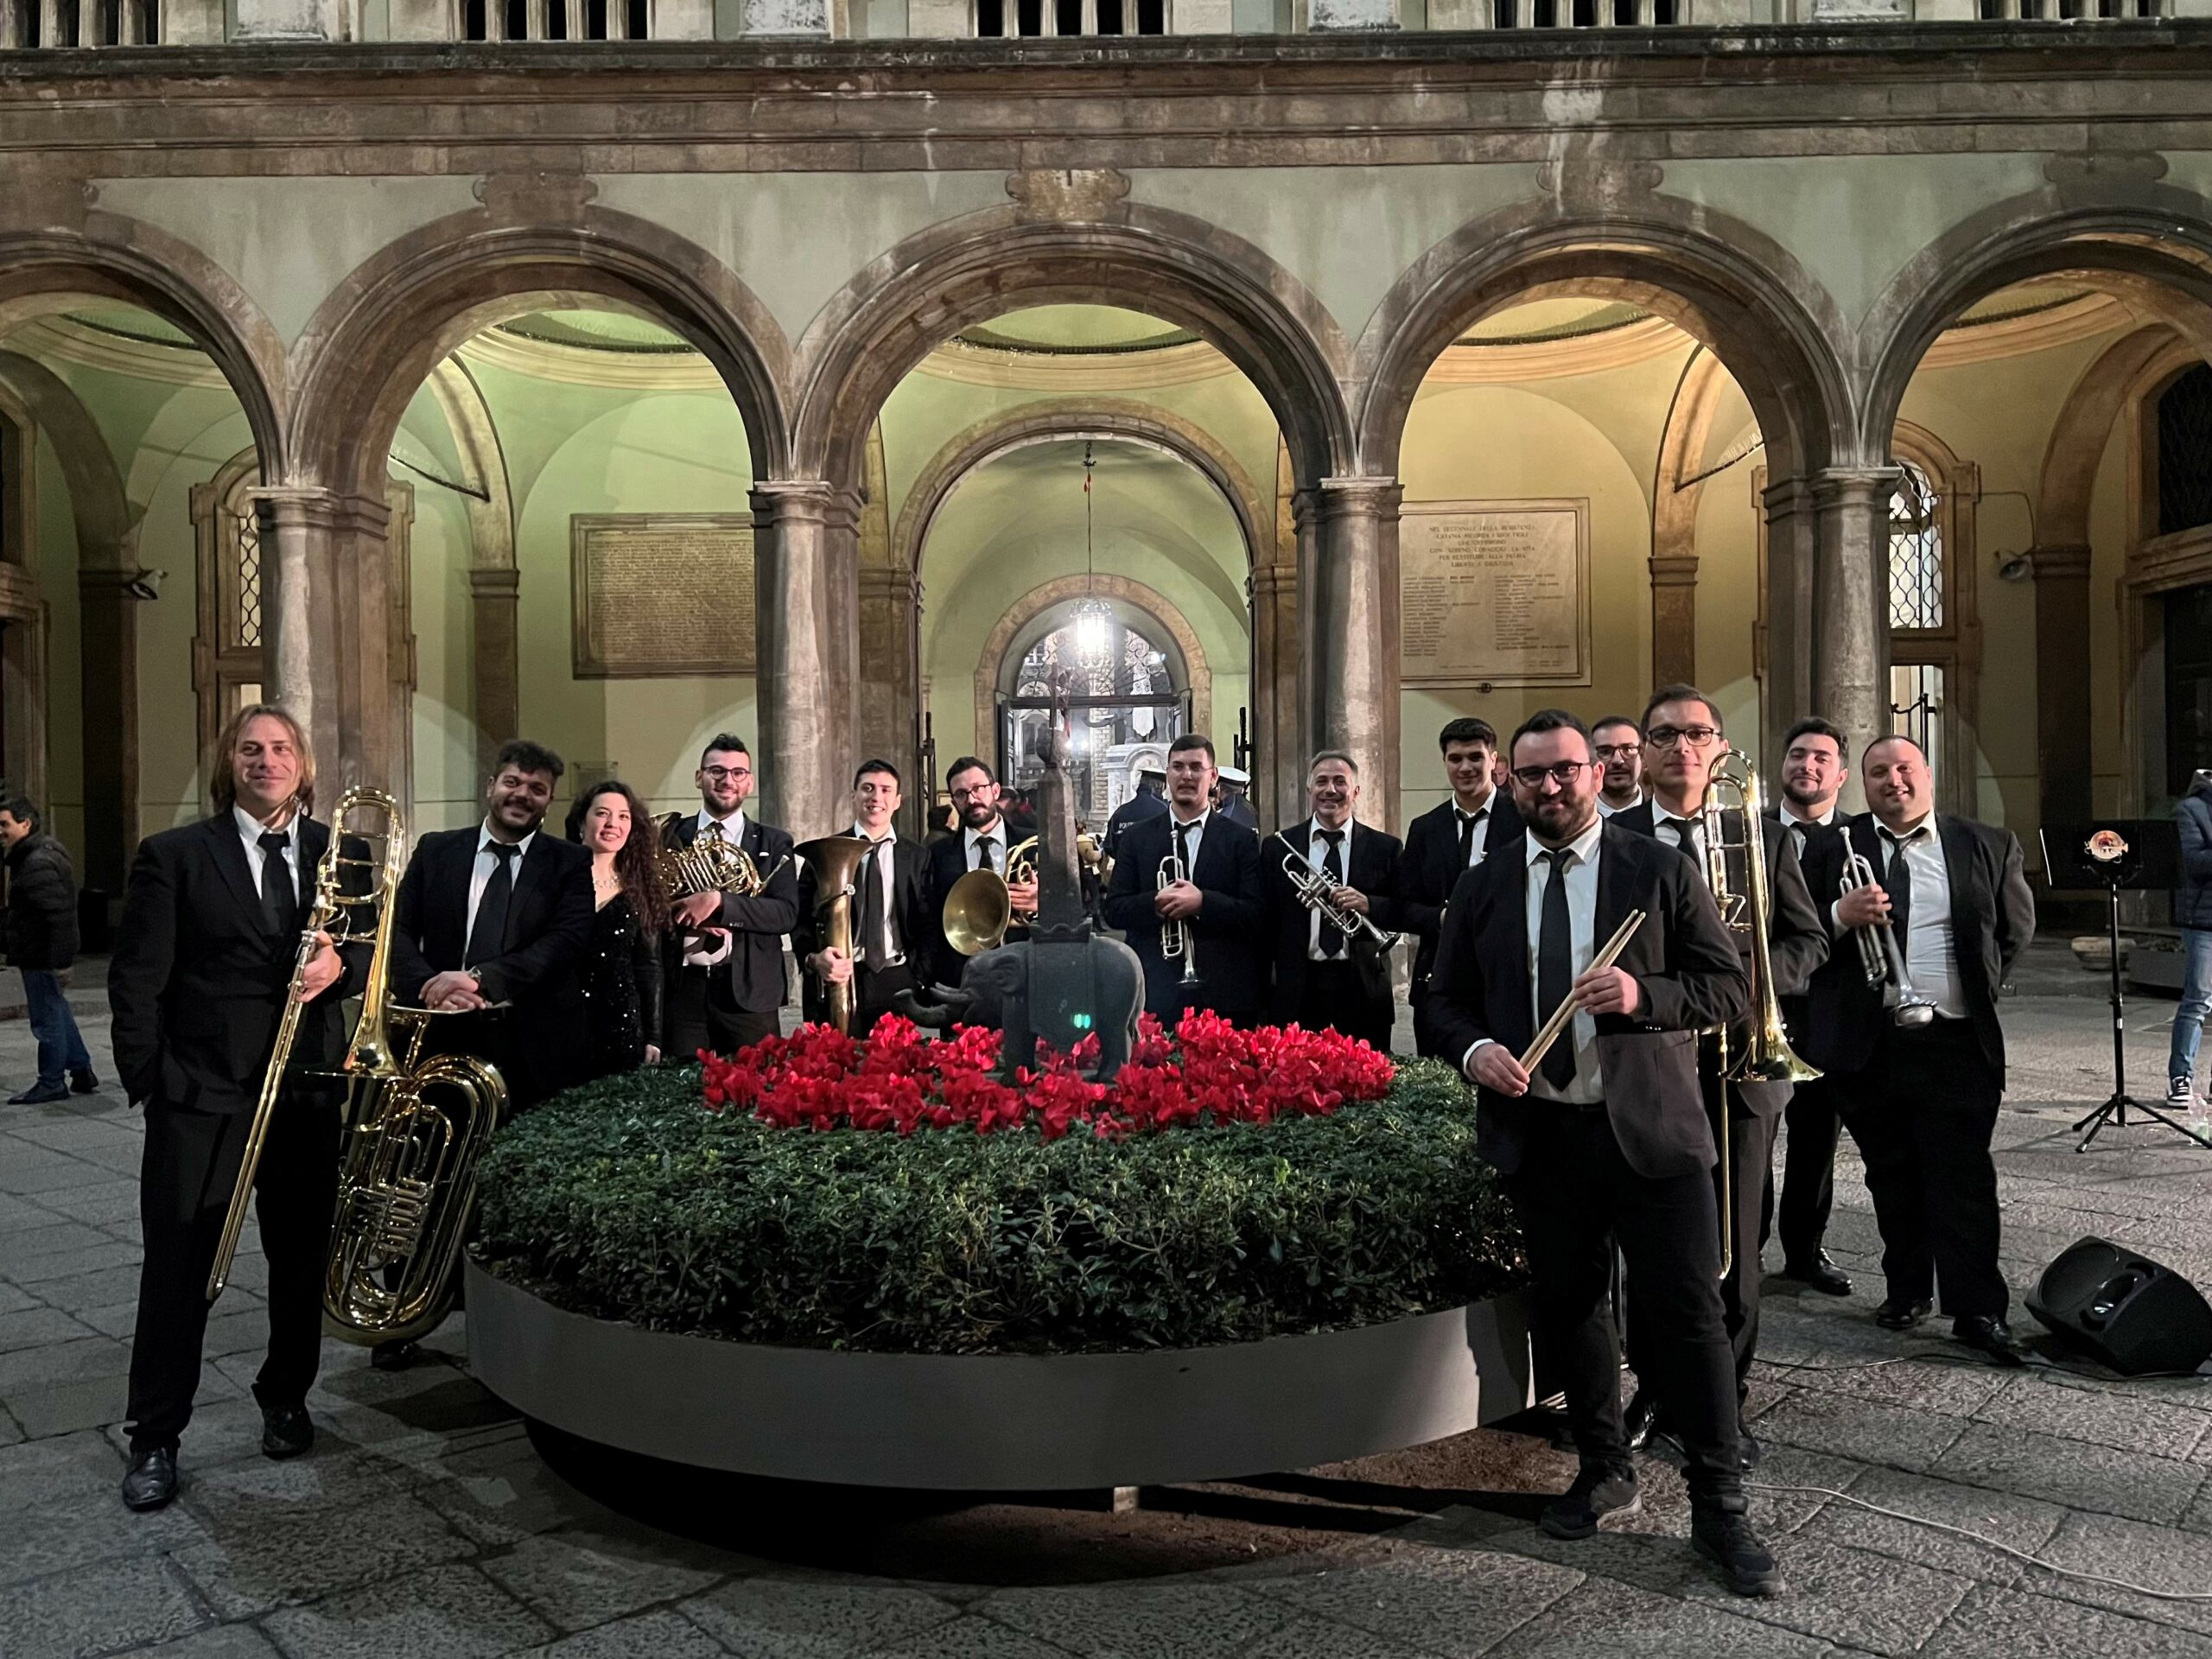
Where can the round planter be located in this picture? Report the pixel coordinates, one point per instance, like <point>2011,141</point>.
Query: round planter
<point>1001,1422</point>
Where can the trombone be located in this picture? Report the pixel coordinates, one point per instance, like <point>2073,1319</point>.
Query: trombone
<point>1880,955</point>
<point>1731,810</point>
<point>1175,933</point>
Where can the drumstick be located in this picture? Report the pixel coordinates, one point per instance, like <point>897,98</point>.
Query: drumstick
<point>1565,1012</point>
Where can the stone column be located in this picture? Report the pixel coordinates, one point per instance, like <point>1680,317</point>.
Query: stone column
<point>2065,745</point>
<point>1792,543</point>
<point>806,561</point>
<point>891,681</point>
<point>1673,619</point>
<point>1851,655</point>
<point>1278,769</point>
<point>494,599</point>
<point>1347,626</point>
<point>107,624</point>
<point>325,647</point>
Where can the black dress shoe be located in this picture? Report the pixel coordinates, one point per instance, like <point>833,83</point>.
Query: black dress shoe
<point>84,1083</point>
<point>1991,1334</point>
<point>1597,1493</point>
<point>1727,1541</point>
<point>1820,1274</point>
<point>1636,1422</point>
<point>1748,1449</point>
<point>1895,1315</point>
<point>152,1480</point>
<point>392,1356</point>
<point>286,1431</point>
<point>40,1094</point>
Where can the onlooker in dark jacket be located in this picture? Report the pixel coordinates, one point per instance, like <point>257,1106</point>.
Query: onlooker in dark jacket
<point>2193,912</point>
<point>41,942</point>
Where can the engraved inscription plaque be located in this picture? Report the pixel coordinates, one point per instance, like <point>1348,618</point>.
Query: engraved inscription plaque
<point>1494,593</point>
<point>658,594</point>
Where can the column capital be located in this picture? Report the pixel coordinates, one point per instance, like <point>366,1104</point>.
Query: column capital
<point>494,582</point>
<point>1675,570</point>
<point>1341,498</point>
<point>880,583</point>
<point>812,500</point>
<point>310,508</point>
<point>1269,579</point>
<point>2059,561</point>
<point>1850,485</point>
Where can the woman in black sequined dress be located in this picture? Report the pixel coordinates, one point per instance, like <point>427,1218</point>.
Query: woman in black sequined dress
<point>622,970</point>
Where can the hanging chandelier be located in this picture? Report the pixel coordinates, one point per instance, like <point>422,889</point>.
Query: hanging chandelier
<point>1094,617</point>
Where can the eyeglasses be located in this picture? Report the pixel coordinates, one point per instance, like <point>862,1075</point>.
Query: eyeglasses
<point>980,792</point>
<point>1669,737</point>
<point>724,774</point>
<point>1562,772</point>
<point>1619,751</point>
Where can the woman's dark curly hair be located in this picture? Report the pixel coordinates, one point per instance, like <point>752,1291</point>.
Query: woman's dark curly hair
<point>634,863</point>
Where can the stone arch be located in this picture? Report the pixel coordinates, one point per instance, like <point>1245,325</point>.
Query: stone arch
<point>1166,264</point>
<point>2145,242</point>
<point>991,663</point>
<point>494,587</point>
<point>47,270</point>
<point>2078,437</point>
<point>1736,291</point>
<point>1117,419</point>
<point>374,340</point>
<point>102,514</point>
<point>1676,493</point>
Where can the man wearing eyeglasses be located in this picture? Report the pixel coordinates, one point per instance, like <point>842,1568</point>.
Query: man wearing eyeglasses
<point>1683,739</point>
<point>726,982</point>
<point>1618,742</point>
<point>983,842</point>
<point>1606,1139</point>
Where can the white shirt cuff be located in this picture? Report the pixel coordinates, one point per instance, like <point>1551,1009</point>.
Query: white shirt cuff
<point>1466,1060</point>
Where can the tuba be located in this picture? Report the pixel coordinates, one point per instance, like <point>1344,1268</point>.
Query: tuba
<point>835,861</point>
<point>1731,810</point>
<point>979,907</point>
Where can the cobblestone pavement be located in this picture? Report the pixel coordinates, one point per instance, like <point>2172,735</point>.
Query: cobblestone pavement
<point>426,1522</point>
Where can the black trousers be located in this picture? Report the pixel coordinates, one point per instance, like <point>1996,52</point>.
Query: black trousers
<point>1808,1173</point>
<point>874,987</point>
<point>1751,1156</point>
<point>702,1012</point>
<point>191,1164</point>
<point>1576,1195</point>
<point>1923,1113</point>
<point>1335,997</point>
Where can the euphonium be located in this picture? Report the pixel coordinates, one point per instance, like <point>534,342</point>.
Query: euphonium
<point>835,862</point>
<point>979,907</point>
<point>409,1181</point>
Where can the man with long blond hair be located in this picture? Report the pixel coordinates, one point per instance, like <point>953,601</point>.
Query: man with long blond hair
<point>203,963</point>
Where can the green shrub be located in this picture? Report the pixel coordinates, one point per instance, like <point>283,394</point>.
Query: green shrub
<point>626,1200</point>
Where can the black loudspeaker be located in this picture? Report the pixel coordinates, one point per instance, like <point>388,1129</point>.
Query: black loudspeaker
<point>2129,1311</point>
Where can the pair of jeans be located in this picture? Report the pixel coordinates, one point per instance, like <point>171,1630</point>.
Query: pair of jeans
<point>60,1047</point>
<point>2195,999</point>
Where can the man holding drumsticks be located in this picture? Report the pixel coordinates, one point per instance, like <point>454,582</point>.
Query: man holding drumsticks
<point>1604,1134</point>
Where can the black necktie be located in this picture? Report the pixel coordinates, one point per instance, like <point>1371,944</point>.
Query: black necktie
<point>875,944</point>
<point>1333,866</point>
<point>1183,851</point>
<point>280,902</point>
<point>1467,823</point>
<point>987,853</point>
<point>1897,881</point>
<point>487,938</point>
<point>1555,968</point>
<point>1685,834</point>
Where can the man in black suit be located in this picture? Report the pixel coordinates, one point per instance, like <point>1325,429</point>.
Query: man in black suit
<point>725,953</point>
<point>893,931</point>
<point>1922,1101</point>
<point>1218,901</point>
<point>1815,763</point>
<point>982,840</point>
<point>1448,840</point>
<point>1608,1137</point>
<point>1684,738</point>
<point>1323,979</point>
<point>204,959</point>
<point>497,917</point>
<point>1617,741</point>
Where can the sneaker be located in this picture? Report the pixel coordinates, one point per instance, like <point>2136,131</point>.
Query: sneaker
<point>1597,1493</point>
<point>2181,1092</point>
<point>1727,1541</point>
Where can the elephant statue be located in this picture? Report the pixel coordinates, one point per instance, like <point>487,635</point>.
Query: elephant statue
<point>1061,991</point>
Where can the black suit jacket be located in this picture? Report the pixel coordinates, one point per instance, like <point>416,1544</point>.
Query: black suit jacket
<point>1797,941</point>
<point>541,1044</point>
<point>1371,861</point>
<point>1431,868</point>
<point>1992,919</point>
<point>755,968</point>
<point>948,863</point>
<point>198,980</point>
<point>1227,934</point>
<point>1682,958</point>
<point>1813,1033</point>
<point>910,890</point>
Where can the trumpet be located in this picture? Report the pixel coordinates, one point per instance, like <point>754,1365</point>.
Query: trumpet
<point>1881,957</point>
<point>1314,890</point>
<point>1175,933</point>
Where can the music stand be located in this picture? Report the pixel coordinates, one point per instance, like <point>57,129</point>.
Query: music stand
<point>2116,854</point>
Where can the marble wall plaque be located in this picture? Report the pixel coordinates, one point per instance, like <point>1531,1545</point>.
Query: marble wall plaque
<point>658,594</point>
<point>1494,593</point>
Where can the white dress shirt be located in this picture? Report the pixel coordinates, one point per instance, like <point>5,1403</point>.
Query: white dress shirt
<point>1589,1085</point>
<point>732,830</point>
<point>1687,833</point>
<point>480,875</point>
<point>1197,833</point>
<point>995,835</point>
<point>733,827</point>
<point>1317,857</point>
<point>885,863</point>
<point>250,831</point>
<point>1606,809</point>
<point>1931,957</point>
<point>1798,826</point>
<point>1478,843</point>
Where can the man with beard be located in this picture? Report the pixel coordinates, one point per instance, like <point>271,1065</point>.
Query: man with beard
<point>725,969</point>
<point>981,840</point>
<point>1606,1139</point>
<point>1447,841</point>
<point>1618,744</point>
<point>1815,763</point>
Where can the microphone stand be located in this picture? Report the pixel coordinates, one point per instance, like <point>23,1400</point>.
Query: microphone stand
<point>2114,1110</point>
